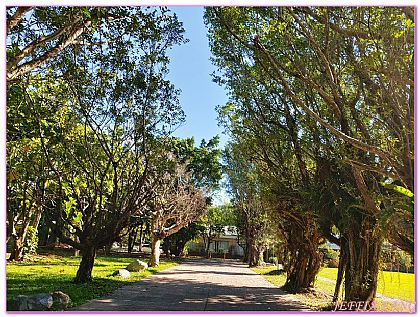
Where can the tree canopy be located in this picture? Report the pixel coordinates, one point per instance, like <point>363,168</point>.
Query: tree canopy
<point>90,112</point>
<point>322,110</point>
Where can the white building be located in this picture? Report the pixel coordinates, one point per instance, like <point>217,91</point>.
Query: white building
<point>225,244</point>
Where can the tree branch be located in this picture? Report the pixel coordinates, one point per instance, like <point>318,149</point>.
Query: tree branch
<point>354,142</point>
<point>16,18</point>
<point>31,65</point>
<point>335,27</point>
<point>42,40</point>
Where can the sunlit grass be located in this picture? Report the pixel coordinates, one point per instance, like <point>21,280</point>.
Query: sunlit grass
<point>271,274</point>
<point>49,274</point>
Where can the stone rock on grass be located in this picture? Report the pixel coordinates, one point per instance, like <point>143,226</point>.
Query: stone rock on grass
<point>20,302</point>
<point>36,302</point>
<point>123,273</point>
<point>136,266</point>
<point>61,300</point>
<point>43,301</point>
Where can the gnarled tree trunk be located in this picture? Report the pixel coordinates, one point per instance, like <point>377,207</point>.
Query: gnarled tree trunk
<point>253,254</point>
<point>363,239</point>
<point>362,247</point>
<point>340,272</point>
<point>84,274</point>
<point>302,270</point>
<point>305,257</point>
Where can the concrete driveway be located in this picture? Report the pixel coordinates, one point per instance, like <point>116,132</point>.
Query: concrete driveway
<point>199,285</point>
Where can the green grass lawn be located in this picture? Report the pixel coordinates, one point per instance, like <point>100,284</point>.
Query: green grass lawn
<point>56,273</point>
<point>391,284</point>
<point>271,274</point>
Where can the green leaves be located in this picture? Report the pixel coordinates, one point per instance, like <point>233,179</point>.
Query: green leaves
<point>310,89</point>
<point>69,205</point>
<point>82,124</point>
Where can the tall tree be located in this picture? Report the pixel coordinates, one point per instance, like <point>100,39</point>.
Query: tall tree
<point>174,204</point>
<point>184,180</point>
<point>323,63</point>
<point>246,189</point>
<point>117,102</point>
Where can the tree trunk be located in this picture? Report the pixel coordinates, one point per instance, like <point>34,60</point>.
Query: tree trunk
<point>154,257</point>
<point>305,257</point>
<point>43,234</point>
<point>340,272</point>
<point>362,249</point>
<point>17,249</point>
<point>10,223</point>
<point>255,255</point>
<point>247,251</point>
<point>131,239</point>
<point>282,255</point>
<point>18,242</point>
<point>37,218</point>
<point>302,271</point>
<point>141,238</point>
<point>166,247</point>
<point>180,246</point>
<point>129,243</point>
<point>174,247</point>
<point>108,248</point>
<point>207,241</point>
<point>76,251</point>
<point>84,274</point>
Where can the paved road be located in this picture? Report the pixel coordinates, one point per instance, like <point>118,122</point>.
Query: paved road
<point>199,285</point>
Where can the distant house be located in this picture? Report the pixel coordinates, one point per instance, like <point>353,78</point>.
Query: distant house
<point>330,245</point>
<point>226,244</point>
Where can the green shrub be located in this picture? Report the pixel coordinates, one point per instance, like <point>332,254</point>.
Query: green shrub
<point>31,243</point>
<point>331,254</point>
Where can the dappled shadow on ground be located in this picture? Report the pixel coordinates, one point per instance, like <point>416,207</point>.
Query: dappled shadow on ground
<point>199,286</point>
<point>205,272</point>
<point>188,295</point>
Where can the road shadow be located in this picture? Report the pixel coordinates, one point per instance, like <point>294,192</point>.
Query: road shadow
<point>182,290</point>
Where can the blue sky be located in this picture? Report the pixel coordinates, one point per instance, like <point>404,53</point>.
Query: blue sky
<point>190,70</point>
